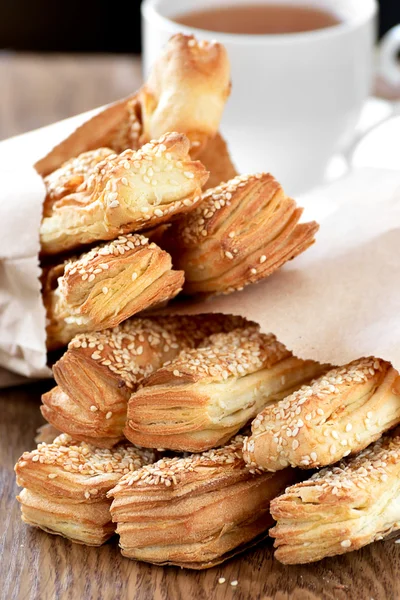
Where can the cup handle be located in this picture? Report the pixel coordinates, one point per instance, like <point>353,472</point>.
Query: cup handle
<point>389,56</point>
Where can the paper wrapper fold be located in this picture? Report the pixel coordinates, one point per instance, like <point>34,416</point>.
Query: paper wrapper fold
<point>336,302</point>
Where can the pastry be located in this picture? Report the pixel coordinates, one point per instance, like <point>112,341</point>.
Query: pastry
<point>106,285</point>
<point>339,414</point>
<point>205,395</point>
<point>194,511</point>
<point>341,508</point>
<point>66,483</point>
<point>241,232</point>
<point>186,91</point>
<point>100,370</point>
<point>70,176</point>
<point>217,160</point>
<point>125,193</point>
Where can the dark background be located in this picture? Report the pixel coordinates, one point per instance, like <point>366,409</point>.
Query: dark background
<point>94,26</point>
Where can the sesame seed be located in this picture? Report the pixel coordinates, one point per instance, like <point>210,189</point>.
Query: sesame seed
<point>222,579</point>
<point>93,408</point>
<point>234,583</point>
<point>263,258</point>
<point>345,543</point>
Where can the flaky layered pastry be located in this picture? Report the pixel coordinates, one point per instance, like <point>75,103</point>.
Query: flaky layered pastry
<point>123,193</point>
<point>106,285</point>
<point>241,232</point>
<point>205,395</point>
<point>186,91</point>
<point>197,511</point>
<point>339,414</point>
<point>100,370</point>
<point>341,508</point>
<point>66,483</point>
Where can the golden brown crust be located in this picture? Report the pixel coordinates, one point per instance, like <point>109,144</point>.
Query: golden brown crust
<point>186,91</point>
<point>105,286</point>
<point>102,428</point>
<point>196,511</point>
<point>217,160</point>
<point>339,414</point>
<point>124,193</point>
<point>88,524</point>
<point>100,370</point>
<point>66,485</point>
<point>242,231</point>
<point>205,395</point>
<point>341,508</point>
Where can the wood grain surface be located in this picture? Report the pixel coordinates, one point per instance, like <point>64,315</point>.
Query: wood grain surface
<point>36,90</point>
<point>37,566</point>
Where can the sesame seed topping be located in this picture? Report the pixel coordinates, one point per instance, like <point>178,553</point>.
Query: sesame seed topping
<point>163,337</point>
<point>283,420</point>
<point>227,355</point>
<point>171,472</point>
<point>66,454</point>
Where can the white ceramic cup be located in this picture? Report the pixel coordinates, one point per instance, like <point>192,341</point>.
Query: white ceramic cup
<point>296,97</point>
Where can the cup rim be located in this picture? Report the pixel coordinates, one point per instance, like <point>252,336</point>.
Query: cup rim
<point>149,11</point>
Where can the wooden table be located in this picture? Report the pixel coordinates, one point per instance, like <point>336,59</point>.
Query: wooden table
<point>38,566</point>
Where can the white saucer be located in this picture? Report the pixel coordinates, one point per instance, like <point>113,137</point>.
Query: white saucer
<point>380,147</point>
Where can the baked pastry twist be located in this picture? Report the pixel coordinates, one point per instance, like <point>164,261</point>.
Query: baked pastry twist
<point>100,370</point>
<point>339,414</point>
<point>204,396</point>
<point>106,285</point>
<point>66,483</point>
<point>186,91</point>
<point>124,193</point>
<point>241,232</point>
<point>341,508</point>
<point>197,511</point>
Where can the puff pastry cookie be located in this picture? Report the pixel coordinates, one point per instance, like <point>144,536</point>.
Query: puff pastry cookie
<point>100,370</point>
<point>241,232</point>
<point>339,414</point>
<point>204,396</point>
<point>66,483</point>
<point>106,285</point>
<point>186,91</point>
<point>125,193</point>
<point>197,511</point>
<point>341,508</point>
